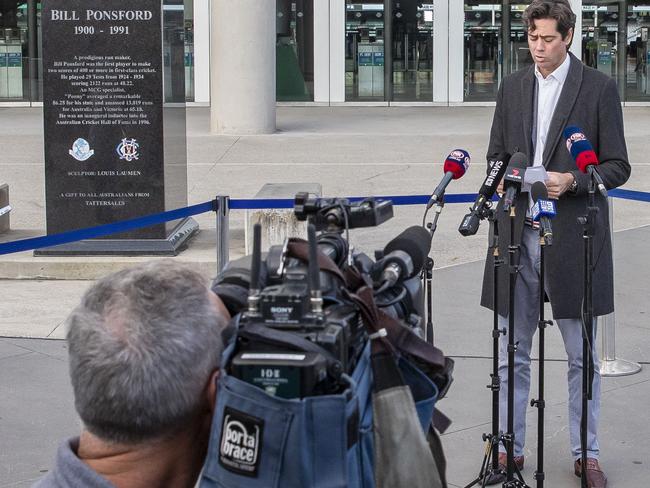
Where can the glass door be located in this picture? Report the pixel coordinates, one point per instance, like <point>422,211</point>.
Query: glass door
<point>14,51</point>
<point>482,50</point>
<point>519,54</point>
<point>412,51</point>
<point>364,50</point>
<point>295,50</point>
<point>638,51</point>
<point>600,20</point>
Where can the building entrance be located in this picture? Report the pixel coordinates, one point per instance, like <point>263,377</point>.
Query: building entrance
<point>407,56</point>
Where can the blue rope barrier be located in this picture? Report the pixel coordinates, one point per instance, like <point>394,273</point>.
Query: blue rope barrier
<point>260,204</point>
<point>639,196</point>
<point>104,230</point>
<point>240,204</point>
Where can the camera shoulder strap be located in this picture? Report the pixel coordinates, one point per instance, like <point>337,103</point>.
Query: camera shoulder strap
<point>299,249</point>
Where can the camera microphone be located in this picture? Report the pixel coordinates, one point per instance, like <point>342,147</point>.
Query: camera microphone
<point>543,210</point>
<point>456,164</point>
<point>584,155</point>
<point>404,256</point>
<point>469,225</point>
<point>514,179</point>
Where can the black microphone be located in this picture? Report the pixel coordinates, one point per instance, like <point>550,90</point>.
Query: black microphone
<point>469,225</point>
<point>543,210</point>
<point>405,255</point>
<point>456,164</point>
<point>514,178</point>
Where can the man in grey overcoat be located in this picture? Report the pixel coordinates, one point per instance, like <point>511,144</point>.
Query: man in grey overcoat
<point>533,107</point>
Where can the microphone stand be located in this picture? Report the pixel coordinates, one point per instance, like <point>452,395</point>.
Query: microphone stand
<point>588,222</point>
<point>427,271</point>
<point>540,403</point>
<point>490,471</point>
<point>513,268</point>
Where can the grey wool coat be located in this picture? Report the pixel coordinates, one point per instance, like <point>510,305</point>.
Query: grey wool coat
<point>589,100</point>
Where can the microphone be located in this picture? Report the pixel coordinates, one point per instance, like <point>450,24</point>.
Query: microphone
<point>470,223</point>
<point>543,210</point>
<point>514,178</point>
<point>404,256</point>
<point>584,155</point>
<point>456,164</point>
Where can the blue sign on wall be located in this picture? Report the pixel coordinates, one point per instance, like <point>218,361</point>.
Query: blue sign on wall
<point>365,58</point>
<point>3,60</point>
<point>14,60</point>
<point>378,59</point>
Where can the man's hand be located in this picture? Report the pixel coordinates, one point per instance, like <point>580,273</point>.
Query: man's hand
<point>500,188</point>
<point>558,183</point>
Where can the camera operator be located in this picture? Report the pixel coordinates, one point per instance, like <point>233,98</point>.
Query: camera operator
<point>144,351</point>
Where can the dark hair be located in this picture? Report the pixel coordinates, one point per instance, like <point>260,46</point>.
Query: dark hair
<point>559,10</point>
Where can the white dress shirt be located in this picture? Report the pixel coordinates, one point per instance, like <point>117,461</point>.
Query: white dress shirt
<point>548,93</point>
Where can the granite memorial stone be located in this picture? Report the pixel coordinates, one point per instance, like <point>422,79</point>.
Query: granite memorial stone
<point>115,145</point>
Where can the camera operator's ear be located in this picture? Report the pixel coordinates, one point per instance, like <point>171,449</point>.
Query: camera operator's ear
<point>218,304</point>
<point>211,389</point>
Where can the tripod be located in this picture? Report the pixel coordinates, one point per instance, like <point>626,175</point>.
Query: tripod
<point>540,403</point>
<point>588,222</point>
<point>509,437</point>
<point>490,473</point>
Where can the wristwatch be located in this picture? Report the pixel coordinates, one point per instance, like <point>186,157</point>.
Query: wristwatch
<point>574,186</point>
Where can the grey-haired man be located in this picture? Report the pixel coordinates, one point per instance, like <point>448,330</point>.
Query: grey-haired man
<point>144,348</point>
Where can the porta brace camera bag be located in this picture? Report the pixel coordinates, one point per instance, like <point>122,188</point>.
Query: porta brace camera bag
<point>325,441</point>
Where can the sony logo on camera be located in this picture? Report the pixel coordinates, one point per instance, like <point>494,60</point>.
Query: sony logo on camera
<point>241,440</point>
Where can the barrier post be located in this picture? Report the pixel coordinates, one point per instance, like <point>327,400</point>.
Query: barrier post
<point>609,364</point>
<point>223,231</point>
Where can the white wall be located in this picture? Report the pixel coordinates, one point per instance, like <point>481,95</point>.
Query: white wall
<point>321,50</point>
<point>202,51</point>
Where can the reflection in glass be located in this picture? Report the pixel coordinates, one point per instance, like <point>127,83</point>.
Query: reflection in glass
<point>364,50</point>
<point>174,51</point>
<point>295,50</point>
<point>638,51</point>
<point>482,49</point>
<point>189,50</point>
<point>600,36</point>
<point>14,60</point>
<point>520,56</point>
<point>412,51</point>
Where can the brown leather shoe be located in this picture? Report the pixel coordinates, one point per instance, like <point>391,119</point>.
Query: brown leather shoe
<point>595,476</point>
<point>503,461</point>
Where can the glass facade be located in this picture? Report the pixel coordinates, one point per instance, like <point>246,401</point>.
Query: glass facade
<point>482,50</point>
<point>20,59</point>
<point>364,51</point>
<point>295,50</point>
<point>638,52</point>
<point>614,35</point>
<point>412,51</point>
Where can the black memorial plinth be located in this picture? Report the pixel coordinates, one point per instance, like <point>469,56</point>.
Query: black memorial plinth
<point>115,145</point>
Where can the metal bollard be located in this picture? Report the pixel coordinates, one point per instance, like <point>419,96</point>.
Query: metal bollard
<point>609,364</point>
<point>223,231</point>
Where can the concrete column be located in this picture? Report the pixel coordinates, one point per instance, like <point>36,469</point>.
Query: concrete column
<point>242,67</point>
<point>441,51</point>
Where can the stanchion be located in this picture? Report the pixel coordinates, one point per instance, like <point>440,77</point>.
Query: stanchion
<point>223,229</point>
<point>610,365</point>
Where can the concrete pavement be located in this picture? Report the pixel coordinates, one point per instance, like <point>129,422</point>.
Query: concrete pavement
<point>350,151</point>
